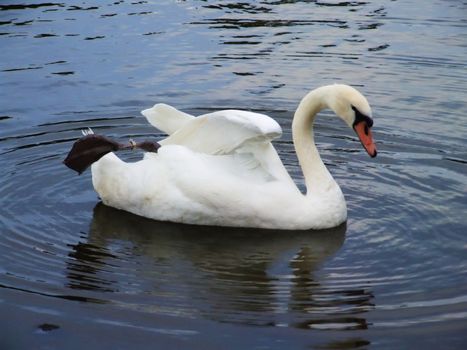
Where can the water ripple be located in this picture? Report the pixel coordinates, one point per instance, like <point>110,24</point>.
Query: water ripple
<point>241,279</point>
<point>394,271</point>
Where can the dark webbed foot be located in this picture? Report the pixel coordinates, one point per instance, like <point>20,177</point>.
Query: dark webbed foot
<point>90,148</point>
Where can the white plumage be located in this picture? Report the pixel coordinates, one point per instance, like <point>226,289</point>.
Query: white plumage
<point>221,169</point>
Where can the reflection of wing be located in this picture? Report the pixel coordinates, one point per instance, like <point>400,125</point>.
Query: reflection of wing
<point>228,132</point>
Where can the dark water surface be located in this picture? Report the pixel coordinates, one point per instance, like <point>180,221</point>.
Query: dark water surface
<point>76,274</point>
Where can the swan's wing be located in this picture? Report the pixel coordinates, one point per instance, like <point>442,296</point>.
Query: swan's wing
<point>166,118</point>
<point>245,135</point>
<point>262,157</point>
<point>224,132</point>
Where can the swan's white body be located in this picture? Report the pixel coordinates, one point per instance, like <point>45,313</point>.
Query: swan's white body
<point>221,169</point>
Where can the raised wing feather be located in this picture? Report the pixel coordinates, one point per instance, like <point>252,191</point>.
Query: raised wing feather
<point>224,132</point>
<point>166,118</point>
<point>246,135</point>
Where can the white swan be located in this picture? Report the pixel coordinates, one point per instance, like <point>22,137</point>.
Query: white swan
<point>221,168</point>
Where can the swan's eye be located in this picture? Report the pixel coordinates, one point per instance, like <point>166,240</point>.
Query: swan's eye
<point>360,117</point>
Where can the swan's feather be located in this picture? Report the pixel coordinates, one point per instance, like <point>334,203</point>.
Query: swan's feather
<point>224,132</point>
<point>166,118</point>
<point>245,135</point>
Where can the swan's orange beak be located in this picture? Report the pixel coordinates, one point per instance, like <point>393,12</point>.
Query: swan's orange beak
<point>364,134</point>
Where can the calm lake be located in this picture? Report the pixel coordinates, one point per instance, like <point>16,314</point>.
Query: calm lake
<point>75,274</point>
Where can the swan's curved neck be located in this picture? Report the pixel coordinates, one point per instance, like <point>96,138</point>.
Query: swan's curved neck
<point>317,177</point>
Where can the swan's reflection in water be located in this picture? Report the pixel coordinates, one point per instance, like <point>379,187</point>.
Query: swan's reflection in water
<point>245,276</point>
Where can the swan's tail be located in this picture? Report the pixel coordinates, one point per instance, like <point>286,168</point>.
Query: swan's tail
<point>91,147</point>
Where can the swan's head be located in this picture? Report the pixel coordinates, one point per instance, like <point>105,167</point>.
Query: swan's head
<point>351,106</point>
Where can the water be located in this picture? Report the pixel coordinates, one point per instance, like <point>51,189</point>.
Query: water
<point>76,272</point>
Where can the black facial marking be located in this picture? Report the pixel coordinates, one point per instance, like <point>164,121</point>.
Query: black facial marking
<point>360,117</point>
